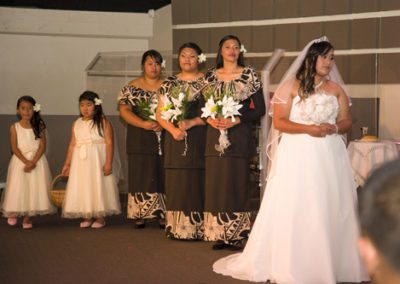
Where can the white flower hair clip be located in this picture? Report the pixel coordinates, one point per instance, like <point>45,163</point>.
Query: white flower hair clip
<point>97,101</point>
<point>36,107</point>
<point>242,49</point>
<point>201,58</point>
<point>163,64</point>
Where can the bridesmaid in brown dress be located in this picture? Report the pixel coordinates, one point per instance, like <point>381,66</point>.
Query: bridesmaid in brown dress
<point>227,182</point>
<point>146,199</point>
<point>184,158</point>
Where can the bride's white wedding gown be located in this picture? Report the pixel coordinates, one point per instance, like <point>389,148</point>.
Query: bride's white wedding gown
<point>306,230</point>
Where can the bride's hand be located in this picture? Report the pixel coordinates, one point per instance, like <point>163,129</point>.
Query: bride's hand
<point>329,128</point>
<point>317,130</point>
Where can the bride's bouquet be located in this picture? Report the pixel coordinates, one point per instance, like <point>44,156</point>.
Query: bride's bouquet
<point>145,108</point>
<point>220,105</point>
<point>176,107</point>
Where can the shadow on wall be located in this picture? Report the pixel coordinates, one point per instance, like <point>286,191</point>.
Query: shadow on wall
<point>59,133</point>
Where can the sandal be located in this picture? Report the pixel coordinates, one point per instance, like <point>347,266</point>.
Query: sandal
<point>98,225</point>
<point>12,221</point>
<point>27,226</point>
<point>85,223</point>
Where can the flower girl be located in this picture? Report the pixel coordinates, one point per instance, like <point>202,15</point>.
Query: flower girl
<point>28,178</point>
<point>92,190</point>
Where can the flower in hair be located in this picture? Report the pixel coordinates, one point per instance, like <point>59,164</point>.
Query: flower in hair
<point>36,107</point>
<point>242,49</point>
<point>163,64</point>
<point>97,101</point>
<point>201,58</point>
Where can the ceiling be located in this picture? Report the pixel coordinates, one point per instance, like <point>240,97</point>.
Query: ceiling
<point>129,6</point>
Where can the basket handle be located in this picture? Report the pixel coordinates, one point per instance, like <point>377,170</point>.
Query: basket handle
<point>57,179</point>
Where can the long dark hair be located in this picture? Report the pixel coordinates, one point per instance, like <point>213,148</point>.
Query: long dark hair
<point>98,114</point>
<point>307,71</point>
<point>220,60</point>
<point>36,120</point>
<point>152,54</point>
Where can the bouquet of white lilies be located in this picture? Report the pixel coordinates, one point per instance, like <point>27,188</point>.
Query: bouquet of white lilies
<point>145,108</point>
<point>175,106</point>
<point>220,105</point>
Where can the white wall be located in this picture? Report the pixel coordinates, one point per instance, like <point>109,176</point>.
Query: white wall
<point>44,53</point>
<point>162,30</point>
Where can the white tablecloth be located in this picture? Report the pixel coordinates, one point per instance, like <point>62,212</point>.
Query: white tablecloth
<point>365,157</point>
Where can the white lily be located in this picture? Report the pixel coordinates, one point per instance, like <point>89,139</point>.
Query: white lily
<point>178,102</point>
<point>210,109</point>
<point>230,107</point>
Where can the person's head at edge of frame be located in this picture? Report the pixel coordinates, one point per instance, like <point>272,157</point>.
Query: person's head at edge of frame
<point>379,208</point>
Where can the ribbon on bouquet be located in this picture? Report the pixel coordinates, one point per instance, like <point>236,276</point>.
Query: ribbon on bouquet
<point>223,141</point>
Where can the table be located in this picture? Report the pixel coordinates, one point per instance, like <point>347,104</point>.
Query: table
<point>365,157</point>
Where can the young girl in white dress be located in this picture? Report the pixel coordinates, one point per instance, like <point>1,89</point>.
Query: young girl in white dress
<point>306,230</point>
<point>28,177</point>
<point>92,190</point>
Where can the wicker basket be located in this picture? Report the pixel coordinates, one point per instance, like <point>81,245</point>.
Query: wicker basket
<point>57,191</point>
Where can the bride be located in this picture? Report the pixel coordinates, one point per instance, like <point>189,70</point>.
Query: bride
<point>306,229</point>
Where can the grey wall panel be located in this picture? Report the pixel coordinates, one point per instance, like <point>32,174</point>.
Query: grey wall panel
<point>337,7</point>
<point>309,31</point>
<point>219,11</point>
<point>216,35</point>
<point>364,33</point>
<point>342,63</point>
<point>389,71</point>
<point>338,33</point>
<point>180,12</point>
<point>362,69</point>
<point>262,39</point>
<point>361,6</point>
<point>286,8</point>
<point>258,62</point>
<point>347,35</point>
<point>241,10</point>
<point>364,112</point>
<point>245,36</point>
<point>286,37</point>
<point>385,5</point>
<point>390,28</point>
<point>199,11</point>
<point>311,8</point>
<point>5,149</point>
<point>263,9</point>
<point>280,69</point>
<point>202,38</point>
<point>179,38</point>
